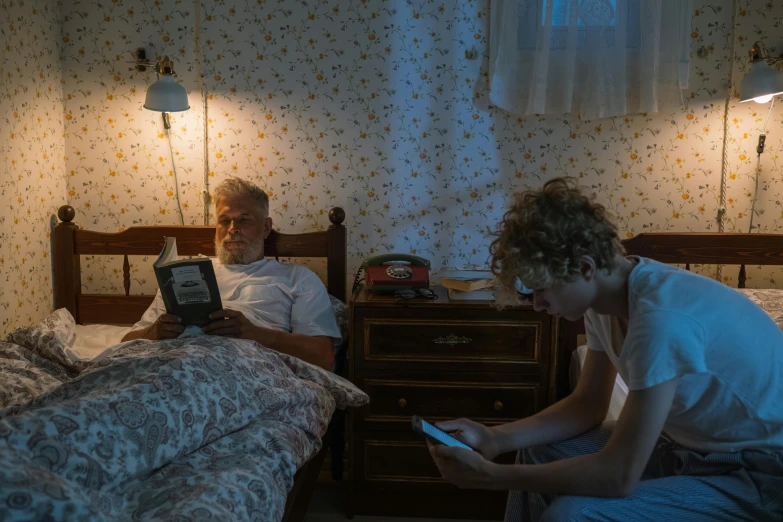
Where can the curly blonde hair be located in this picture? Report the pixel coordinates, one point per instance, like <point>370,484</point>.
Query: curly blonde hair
<point>542,237</point>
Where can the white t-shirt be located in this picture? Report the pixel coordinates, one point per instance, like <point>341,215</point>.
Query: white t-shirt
<point>726,351</point>
<point>282,296</point>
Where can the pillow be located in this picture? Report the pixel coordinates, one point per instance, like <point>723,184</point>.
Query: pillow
<point>92,340</point>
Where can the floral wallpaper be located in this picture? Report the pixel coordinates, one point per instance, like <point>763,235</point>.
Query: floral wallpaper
<point>32,174</point>
<point>755,21</point>
<point>380,107</point>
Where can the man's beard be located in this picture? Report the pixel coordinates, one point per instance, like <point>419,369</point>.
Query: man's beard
<point>249,253</point>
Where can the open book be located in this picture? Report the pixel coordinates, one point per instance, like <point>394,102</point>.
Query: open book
<point>188,286</point>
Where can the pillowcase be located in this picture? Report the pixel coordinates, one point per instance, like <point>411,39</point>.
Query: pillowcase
<point>92,340</point>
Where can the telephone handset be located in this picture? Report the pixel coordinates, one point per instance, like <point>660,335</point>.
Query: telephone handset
<point>390,272</point>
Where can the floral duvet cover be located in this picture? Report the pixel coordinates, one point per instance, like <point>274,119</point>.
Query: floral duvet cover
<point>201,428</point>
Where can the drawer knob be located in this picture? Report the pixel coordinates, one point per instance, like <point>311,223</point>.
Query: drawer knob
<point>498,405</point>
<point>402,402</point>
<point>452,340</point>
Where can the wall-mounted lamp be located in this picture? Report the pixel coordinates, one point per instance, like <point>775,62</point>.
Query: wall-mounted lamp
<point>761,85</point>
<point>763,81</point>
<point>165,95</point>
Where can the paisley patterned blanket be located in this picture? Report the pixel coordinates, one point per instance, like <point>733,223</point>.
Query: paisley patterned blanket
<point>202,428</point>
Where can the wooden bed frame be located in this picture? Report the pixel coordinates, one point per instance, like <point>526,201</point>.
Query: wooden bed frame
<point>684,248</point>
<point>71,242</point>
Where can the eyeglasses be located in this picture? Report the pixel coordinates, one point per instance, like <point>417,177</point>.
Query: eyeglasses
<point>413,293</point>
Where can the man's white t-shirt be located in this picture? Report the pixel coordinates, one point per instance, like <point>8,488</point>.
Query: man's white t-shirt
<point>726,351</point>
<point>281,296</point>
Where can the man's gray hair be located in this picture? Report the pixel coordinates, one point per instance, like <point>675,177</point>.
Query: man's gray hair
<point>233,187</point>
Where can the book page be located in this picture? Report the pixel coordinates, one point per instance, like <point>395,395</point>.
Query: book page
<point>169,252</point>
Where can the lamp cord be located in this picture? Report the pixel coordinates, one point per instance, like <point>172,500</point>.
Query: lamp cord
<point>200,79</point>
<point>166,129</point>
<point>769,113</point>
<point>759,150</point>
<point>725,162</point>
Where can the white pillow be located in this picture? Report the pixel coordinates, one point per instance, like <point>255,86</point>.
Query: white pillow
<point>93,339</point>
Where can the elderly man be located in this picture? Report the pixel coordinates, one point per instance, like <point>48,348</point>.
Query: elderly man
<point>282,306</point>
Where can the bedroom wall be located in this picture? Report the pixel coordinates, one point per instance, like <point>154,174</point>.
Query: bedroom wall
<point>755,20</point>
<point>32,166</point>
<point>374,106</point>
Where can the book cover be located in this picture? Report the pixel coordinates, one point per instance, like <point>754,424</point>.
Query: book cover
<point>467,285</point>
<point>464,273</point>
<point>188,286</point>
<point>486,294</point>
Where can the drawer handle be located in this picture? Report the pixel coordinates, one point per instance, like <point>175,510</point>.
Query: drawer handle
<point>452,340</point>
<point>402,402</point>
<point>498,405</point>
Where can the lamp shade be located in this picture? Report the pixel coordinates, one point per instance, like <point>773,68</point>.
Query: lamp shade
<point>761,83</point>
<point>166,95</point>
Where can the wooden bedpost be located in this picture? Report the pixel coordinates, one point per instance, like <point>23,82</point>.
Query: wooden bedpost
<point>336,261</point>
<point>67,271</point>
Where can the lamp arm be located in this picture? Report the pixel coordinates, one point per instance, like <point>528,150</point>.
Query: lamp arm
<point>164,66</point>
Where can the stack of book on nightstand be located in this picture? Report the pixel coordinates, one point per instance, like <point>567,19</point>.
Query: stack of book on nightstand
<point>468,285</point>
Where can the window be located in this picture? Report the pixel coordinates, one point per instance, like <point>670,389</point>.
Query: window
<point>595,58</point>
<point>594,18</point>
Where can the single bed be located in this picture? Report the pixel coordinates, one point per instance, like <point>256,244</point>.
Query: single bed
<point>681,248</point>
<point>71,242</point>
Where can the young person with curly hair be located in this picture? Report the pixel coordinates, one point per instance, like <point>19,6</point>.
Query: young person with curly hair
<point>701,433</point>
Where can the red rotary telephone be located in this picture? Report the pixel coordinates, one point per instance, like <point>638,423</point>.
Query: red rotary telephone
<point>390,272</point>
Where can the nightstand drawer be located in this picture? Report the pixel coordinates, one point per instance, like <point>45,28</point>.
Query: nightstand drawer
<point>395,401</point>
<point>503,343</point>
<point>389,460</point>
<point>397,477</point>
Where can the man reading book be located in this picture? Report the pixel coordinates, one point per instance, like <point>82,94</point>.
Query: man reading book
<point>282,306</point>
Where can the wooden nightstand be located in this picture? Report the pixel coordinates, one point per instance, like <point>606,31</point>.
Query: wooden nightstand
<point>439,359</point>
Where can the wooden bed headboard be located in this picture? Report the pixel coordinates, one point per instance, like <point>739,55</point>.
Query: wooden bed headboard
<point>71,242</point>
<point>709,248</point>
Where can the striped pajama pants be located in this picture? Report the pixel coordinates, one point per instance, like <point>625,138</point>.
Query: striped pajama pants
<point>677,485</point>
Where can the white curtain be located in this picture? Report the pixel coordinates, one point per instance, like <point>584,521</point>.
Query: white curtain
<point>594,58</point>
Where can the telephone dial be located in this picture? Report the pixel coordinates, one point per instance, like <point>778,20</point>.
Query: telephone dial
<point>391,272</point>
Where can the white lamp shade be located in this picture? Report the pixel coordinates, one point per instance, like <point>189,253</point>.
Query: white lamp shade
<point>166,95</point>
<point>762,80</point>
